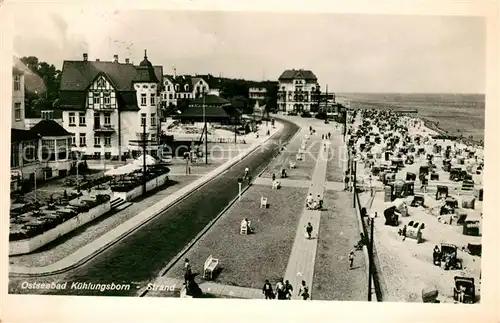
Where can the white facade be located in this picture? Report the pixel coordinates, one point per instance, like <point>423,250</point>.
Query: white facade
<point>174,91</point>
<point>296,94</point>
<point>17,119</point>
<point>257,93</point>
<point>96,130</point>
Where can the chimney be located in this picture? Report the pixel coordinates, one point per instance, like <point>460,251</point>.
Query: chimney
<point>127,61</point>
<point>97,60</point>
<point>115,58</point>
<point>85,57</point>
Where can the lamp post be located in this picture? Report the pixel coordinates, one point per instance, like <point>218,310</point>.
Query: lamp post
<point>370,258</point>
<point>144,141</point>
<point>240,181</point>
<point>206,128</point>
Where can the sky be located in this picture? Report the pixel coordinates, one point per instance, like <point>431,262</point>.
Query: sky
<point>347,52</point>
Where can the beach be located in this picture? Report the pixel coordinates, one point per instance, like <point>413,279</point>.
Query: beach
<point>451,114</point>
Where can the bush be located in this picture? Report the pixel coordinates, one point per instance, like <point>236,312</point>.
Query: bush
<point>321,115</point>
<point>306,114</point>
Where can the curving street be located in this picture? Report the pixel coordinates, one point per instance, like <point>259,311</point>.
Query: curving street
<point>139,257</point>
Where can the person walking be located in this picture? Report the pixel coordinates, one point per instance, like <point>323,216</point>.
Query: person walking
<point>280,289</point>
<point>309,230</point>
<point>288,289</point>
<point>187,271</point>
<point>302,287</point>
<point>267,290</point>
<point>274,177</point>
<point>322,137</point>
<point>403,233</point>
<point>320,202</point>
<point>351,259</point>
<point>247,171</point>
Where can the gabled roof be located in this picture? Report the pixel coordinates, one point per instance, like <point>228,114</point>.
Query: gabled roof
<point>298,74</point>
<point>49,128</point>
<point>77,75</point>
<point>18,135</point>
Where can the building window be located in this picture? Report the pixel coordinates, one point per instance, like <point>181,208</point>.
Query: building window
<point>81,118</point>
<point>153,97</point>
<point>47,115</point>
<point>97,155</point>
<point>170,96</point>
<point>73,139</point>
<point>107,119</point>
<point>143,99</point>
<point>143,119</point>
<point>107,141</point>
<point>17,83</point>
<point>17,111</point>
<point>177,87</point>
<point>153,119</point>
<point>107,98</point>
<point>107,155</point>
<point>97,141</point>
<point>72,119</point>
<point>97,98</point>
<point>153,137</point>
<point>101,83</point>
<point>83,139</point>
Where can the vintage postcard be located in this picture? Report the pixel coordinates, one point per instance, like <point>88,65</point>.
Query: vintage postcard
<point>216,155</point>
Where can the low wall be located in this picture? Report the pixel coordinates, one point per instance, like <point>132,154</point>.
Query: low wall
<point>20,247</point>
<point>137,191</point>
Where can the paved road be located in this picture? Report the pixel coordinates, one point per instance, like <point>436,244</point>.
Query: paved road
<point>139,257</point>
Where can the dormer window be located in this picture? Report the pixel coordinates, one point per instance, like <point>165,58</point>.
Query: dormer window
<point>177,87</point>
<point>144,86</point>
<point>186,87</point>
<point>168,88</point>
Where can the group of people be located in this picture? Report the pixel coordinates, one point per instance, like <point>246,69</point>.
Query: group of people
<point>314,204</point>
<point>284,290</point>
<point>326,136</point>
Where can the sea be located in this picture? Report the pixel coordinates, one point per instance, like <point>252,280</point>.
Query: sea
<point>457,114</point>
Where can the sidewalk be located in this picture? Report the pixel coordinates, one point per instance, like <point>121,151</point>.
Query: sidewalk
<point>302,258</point>
<point>103,242</point>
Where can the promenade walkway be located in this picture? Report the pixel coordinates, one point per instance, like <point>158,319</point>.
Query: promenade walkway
<point>301,263</point>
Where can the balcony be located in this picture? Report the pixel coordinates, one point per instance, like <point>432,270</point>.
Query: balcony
<point>104,107</point>
<point>104,128</point>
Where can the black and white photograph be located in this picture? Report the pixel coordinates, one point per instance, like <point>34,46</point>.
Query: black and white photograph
<point>272,155</point>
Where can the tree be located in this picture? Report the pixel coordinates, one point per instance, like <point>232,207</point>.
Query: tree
<point>46,99</point>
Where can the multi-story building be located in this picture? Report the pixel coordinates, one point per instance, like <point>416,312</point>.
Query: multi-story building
<point>188,87</point>
<point>43,151</point>
<point>297,90</point>
<point>106,106</point>
<point>18,95</point>
<point>257,92</point>
<point>182,87</point>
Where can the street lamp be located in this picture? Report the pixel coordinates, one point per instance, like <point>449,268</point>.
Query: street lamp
<point>370,257</point>
<point>240,181</point>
